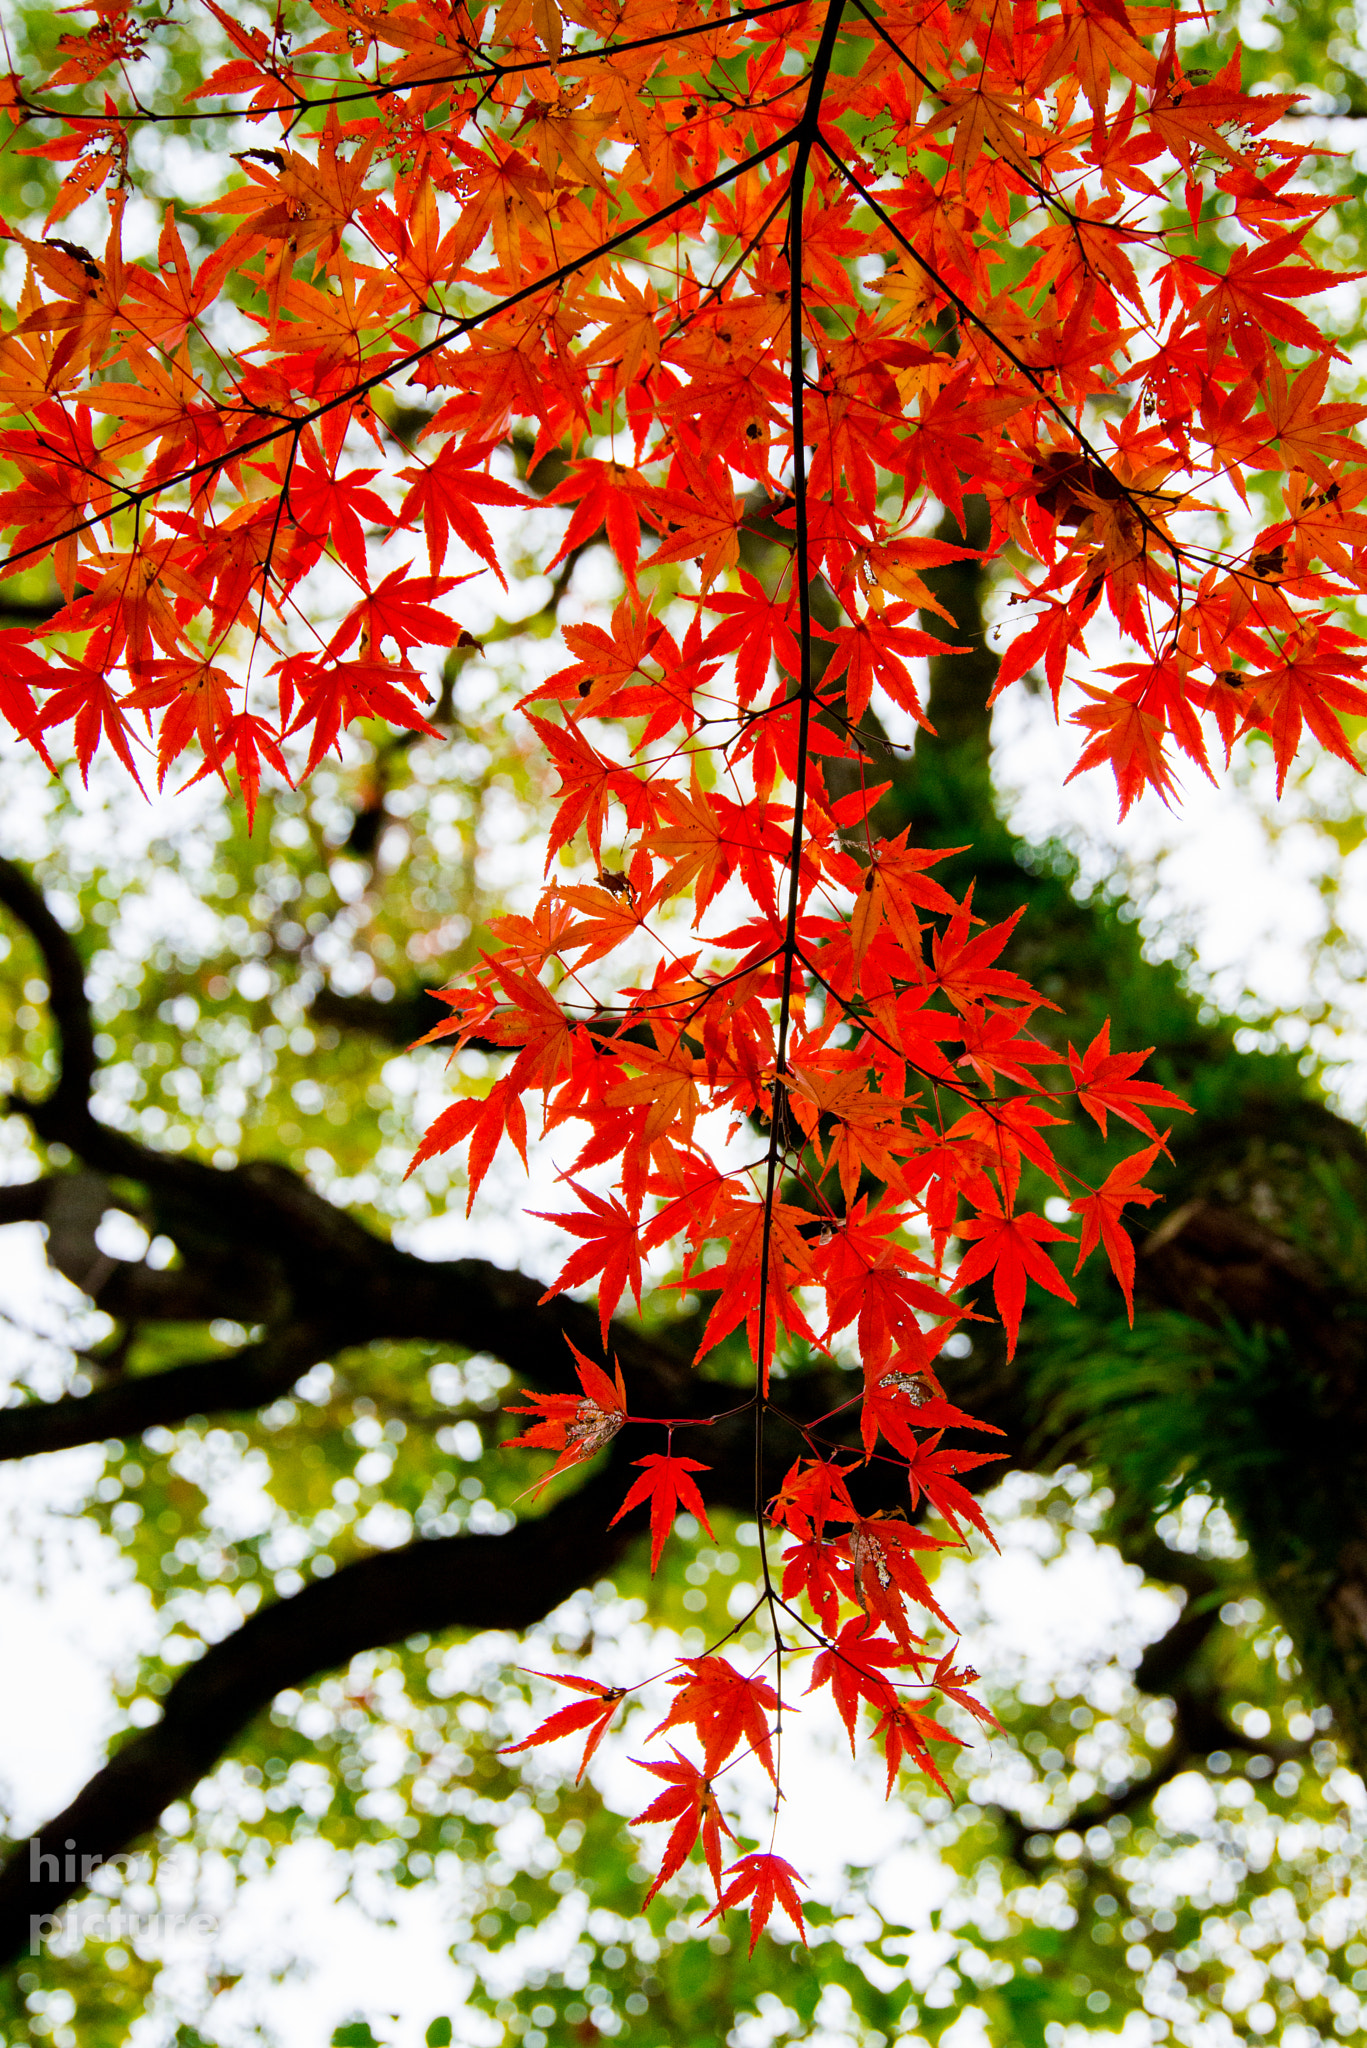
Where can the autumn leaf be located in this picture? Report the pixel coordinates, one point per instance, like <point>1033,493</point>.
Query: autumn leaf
<point>757,628</point>
<point>767,1882</point>
<point>578,1428</point>
<point>593,1714</point>
<point>905,1733</point>
<point>884,1572</point>
<point>932,1472</point>
<point>1106,1085</point>
<point>689,1801</point>
<point>82,696</point>
<point>667,1483</point>
<point>196,697</point>
<point>1101,1212</point>
<point>20,670</point>
<point>1309,685</point>
<point>1251,297</point>
<point>813,1493</point>
<point>703,515</point>
<point>1011,1249</point>
<point>607,498</point>
<point>612,1249</point>
<point>445,495</point>
<point>961,965</point>
<point>854,1665</point>
<point>724,1708</point>
<point>333,693</point>
<point>1129,740</point>
<point>331,507</point>
<point>483,1121</point>
<point>399,609</point>
<point>954,1682</point>
<point>876,649</point>
<point>591,787</point>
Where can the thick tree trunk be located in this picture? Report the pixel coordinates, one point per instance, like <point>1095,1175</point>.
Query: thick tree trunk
<point>1254,1274</point>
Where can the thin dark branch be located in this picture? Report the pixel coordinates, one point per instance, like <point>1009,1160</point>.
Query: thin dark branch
<point>296,104</point>
<point>66,986</point>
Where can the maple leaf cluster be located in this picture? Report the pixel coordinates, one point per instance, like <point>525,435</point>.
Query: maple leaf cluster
<point>793,275</point>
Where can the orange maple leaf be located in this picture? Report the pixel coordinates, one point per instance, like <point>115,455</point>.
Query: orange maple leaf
<point>725,1708</point>
<point>1101,1209</point>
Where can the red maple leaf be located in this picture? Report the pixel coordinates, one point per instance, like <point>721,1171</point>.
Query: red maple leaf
<point>894,1401</point>
<point>1011,1249</point>
<point>578,1428</point>
<point>606,498</point>
<point>1249,301</point>
<point>665,1483</point>
<point>954,1683</point>
<point>689,1801</point>
<point>813,1567</point>
<point>876,650</point>
<point>756,628</point>
<point>1309,686</point>
<point>485,1120</point>
<point>813,1493</point>
<point>329,507</point>
<point>245,738</point>
<point>399,609</point>
<point>612,1249</point>
<point>904,1732</point>
<point>931,1471</point>
<point>962,965</point>
<point>590,785</point>
<point>1129,740</point>
<point>20,671</point>
<point>445,495</point>
<point>1101,1210</point>
<point>884,1572</point>
<point>332,694</point>
<point>725,1708</point>
<point>83,693</point>
<point>594,1713</point>
<point>767,1882</point>
<point>853,1665</point>
<point>1105,1084</point>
